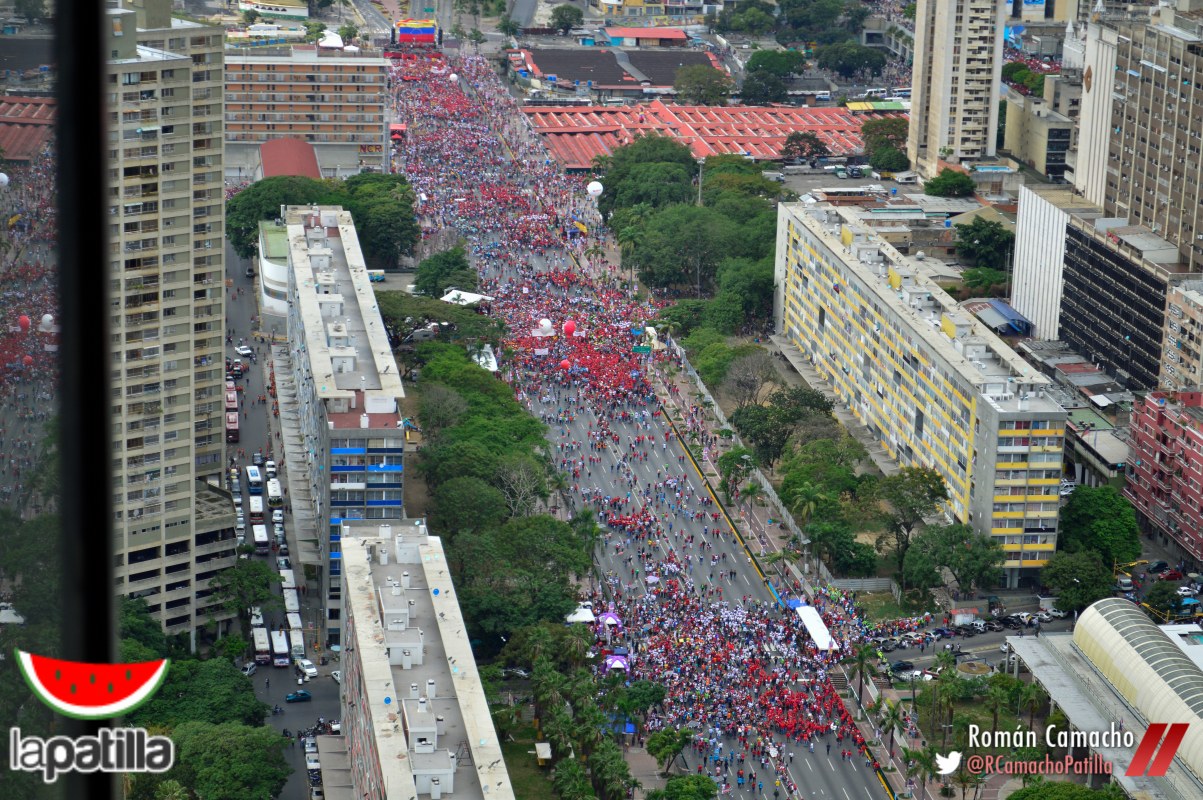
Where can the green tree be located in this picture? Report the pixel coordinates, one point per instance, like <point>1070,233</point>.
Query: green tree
<point>761,88</point>
<point>617,167</point>
<point>973,559</point>
<point>348,32</point>
<point>682,245</point>
<point>1078,579</point>
<point>467,504</point>
<point>781,63</point>
<point>441,271</point>
<point>908,10</point>
<point>887,132</point>
<point>566,17</point>
<point>889,159</point>
<point>794,401</point>
<point>980,279</point>
<point>985,243</point>
<point>246,584</point>
<point>912,493</point>
<point>507,26</point>
<point>686,787</point>
<point>656,185</point>
<point>859,665</point>
<point>666,744</point>
<point>250,17</point>
<point>1162,597</point>
<point>765,429</point>
<point>314,30</point>
<point>477,38</point>
<point>1065,790</point>
<point>261,201</point>
<point>950,183</point>
<point>848,58</point>
<point>32,10</point>
<point>571,781</point>
<point>212,691</point>
<point>136,624</point>
<point>1099,518</point>
<point>699,84</point>
<point>229,760</point>
<point>803,145</point>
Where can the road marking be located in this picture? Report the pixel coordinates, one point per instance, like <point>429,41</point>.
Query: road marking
<point>846,793</point>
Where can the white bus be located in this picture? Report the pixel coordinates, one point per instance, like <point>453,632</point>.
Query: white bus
<point>281,654</point>
<point>292,603</point>
<point>263,651</point>
<point>254,480</point>
<point>275,497</point>
<point>287,580</point>
<point>297,637</point>
<point>262,543</point>
<point>294,621</point>
<point>255,512</point>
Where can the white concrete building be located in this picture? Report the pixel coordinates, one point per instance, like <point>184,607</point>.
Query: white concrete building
<point>415,717</point>
<point>1089,163</point>
<point>1036,288</point>
<point>345,443</point>
<point>955,82</point>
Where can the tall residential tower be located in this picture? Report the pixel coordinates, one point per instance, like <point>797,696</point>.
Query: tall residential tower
<point>955,82</point>
<point>166,209</point>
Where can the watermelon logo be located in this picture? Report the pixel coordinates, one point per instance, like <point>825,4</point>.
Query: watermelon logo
<point>91,691</point>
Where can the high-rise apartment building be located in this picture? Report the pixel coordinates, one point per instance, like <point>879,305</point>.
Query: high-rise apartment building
<point>955,82</point>
<point>1165,468</point>
<point>173,531</point>
<point>340,393</point>
<point>333,99</point>
<point>937,388</point>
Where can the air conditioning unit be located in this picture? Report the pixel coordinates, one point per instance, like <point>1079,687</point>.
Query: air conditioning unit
<point>1174,325</point>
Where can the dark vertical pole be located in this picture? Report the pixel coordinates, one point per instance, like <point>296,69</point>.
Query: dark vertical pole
<point>86,504</point>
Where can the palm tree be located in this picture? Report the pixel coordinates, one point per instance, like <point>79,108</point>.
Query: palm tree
<point>968,780</point>
<point>860,664</point>
<point>807,499</point>
<point>924,765</point>
<point>571,782</point>
<point>577,642</point>
<point>891,718</point>
<point>588,726</point>
<point>558,729</point>
<point>1032,696</point>
<point>997,698</point>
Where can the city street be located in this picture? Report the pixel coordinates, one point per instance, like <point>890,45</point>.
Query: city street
<point>256,434</point>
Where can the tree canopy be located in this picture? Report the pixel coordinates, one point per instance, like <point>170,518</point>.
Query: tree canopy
<point>848,58</point>
<point>781,63</point>
<point>441,271</point>
<point>381,206</point>
<point>985,243</point>
<point>566,17</point>
<point>950,183</point>
<point>762,87</point>
<point>1078,579</point>
<point>802,145</point>
<point>699,84</point>
<point>912,494</point>
<point>211,691</point>
<point>973,559</point>
<point>1100,519</point>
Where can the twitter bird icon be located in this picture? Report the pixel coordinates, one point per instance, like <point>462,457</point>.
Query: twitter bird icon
<point>946,765</point>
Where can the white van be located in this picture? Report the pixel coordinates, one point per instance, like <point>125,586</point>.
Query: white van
<point>269,469</point>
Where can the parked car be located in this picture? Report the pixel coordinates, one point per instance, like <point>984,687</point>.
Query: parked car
<point>310,744</point>
<point>1044,616</point>
<point>1171,575</point>
<point>901,666</point>
<point>283,563</point>
<point>305,666</point>
<point>1058,613</point>
<point>249,669</point>
<point>942,633</point>
<point>257,459</point>
<point>278,516</point>
<point>1158,567</point>
<point>243,350</point>
<point>994,625</point>
<point>270,470</point>
<point>888,646</point>
<point>337,675</point>
<point>1186,591</point>
<point>299,696</point>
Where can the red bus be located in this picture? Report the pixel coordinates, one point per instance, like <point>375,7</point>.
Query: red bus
<point>231,401</point>
<point>232,427</point>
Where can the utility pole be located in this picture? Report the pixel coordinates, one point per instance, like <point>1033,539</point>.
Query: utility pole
<point>701,162</point>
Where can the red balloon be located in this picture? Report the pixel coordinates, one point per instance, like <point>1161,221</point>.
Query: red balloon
<point>569,328</point>
<point>28,361</point>
<point>565,364</point>
<point>23,321</point>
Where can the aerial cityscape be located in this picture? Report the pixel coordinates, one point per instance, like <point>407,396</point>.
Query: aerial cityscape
<point>624,398</point>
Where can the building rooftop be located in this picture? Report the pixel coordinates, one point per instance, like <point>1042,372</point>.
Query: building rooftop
<point>417,663</point>
<point>275,241</point>
<point>213,504</point>
<point>576,135</point>
<point>907,286</point>
<point>288,156</point>
<point>349,354</point>
<point>646,33</point>
<point>301,54</point>
<point>26,125</point>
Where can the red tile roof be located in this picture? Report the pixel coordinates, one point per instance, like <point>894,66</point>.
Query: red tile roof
<point>289,157</point>
<point>646,33</point>
<point>575,135</point>
<point>26,125</point>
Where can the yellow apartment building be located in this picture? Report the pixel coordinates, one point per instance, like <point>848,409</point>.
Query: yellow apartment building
<point>935,386</point>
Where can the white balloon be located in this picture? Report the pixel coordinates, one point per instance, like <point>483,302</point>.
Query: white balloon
<point>453,77</point>
<point>544,323</point>
<point>3,180</point>
<point>47,320</point>
<point>594,188</point>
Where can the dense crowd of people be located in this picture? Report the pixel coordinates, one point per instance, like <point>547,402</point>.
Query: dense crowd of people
<point>742,673</point>
<point>28,360</point>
